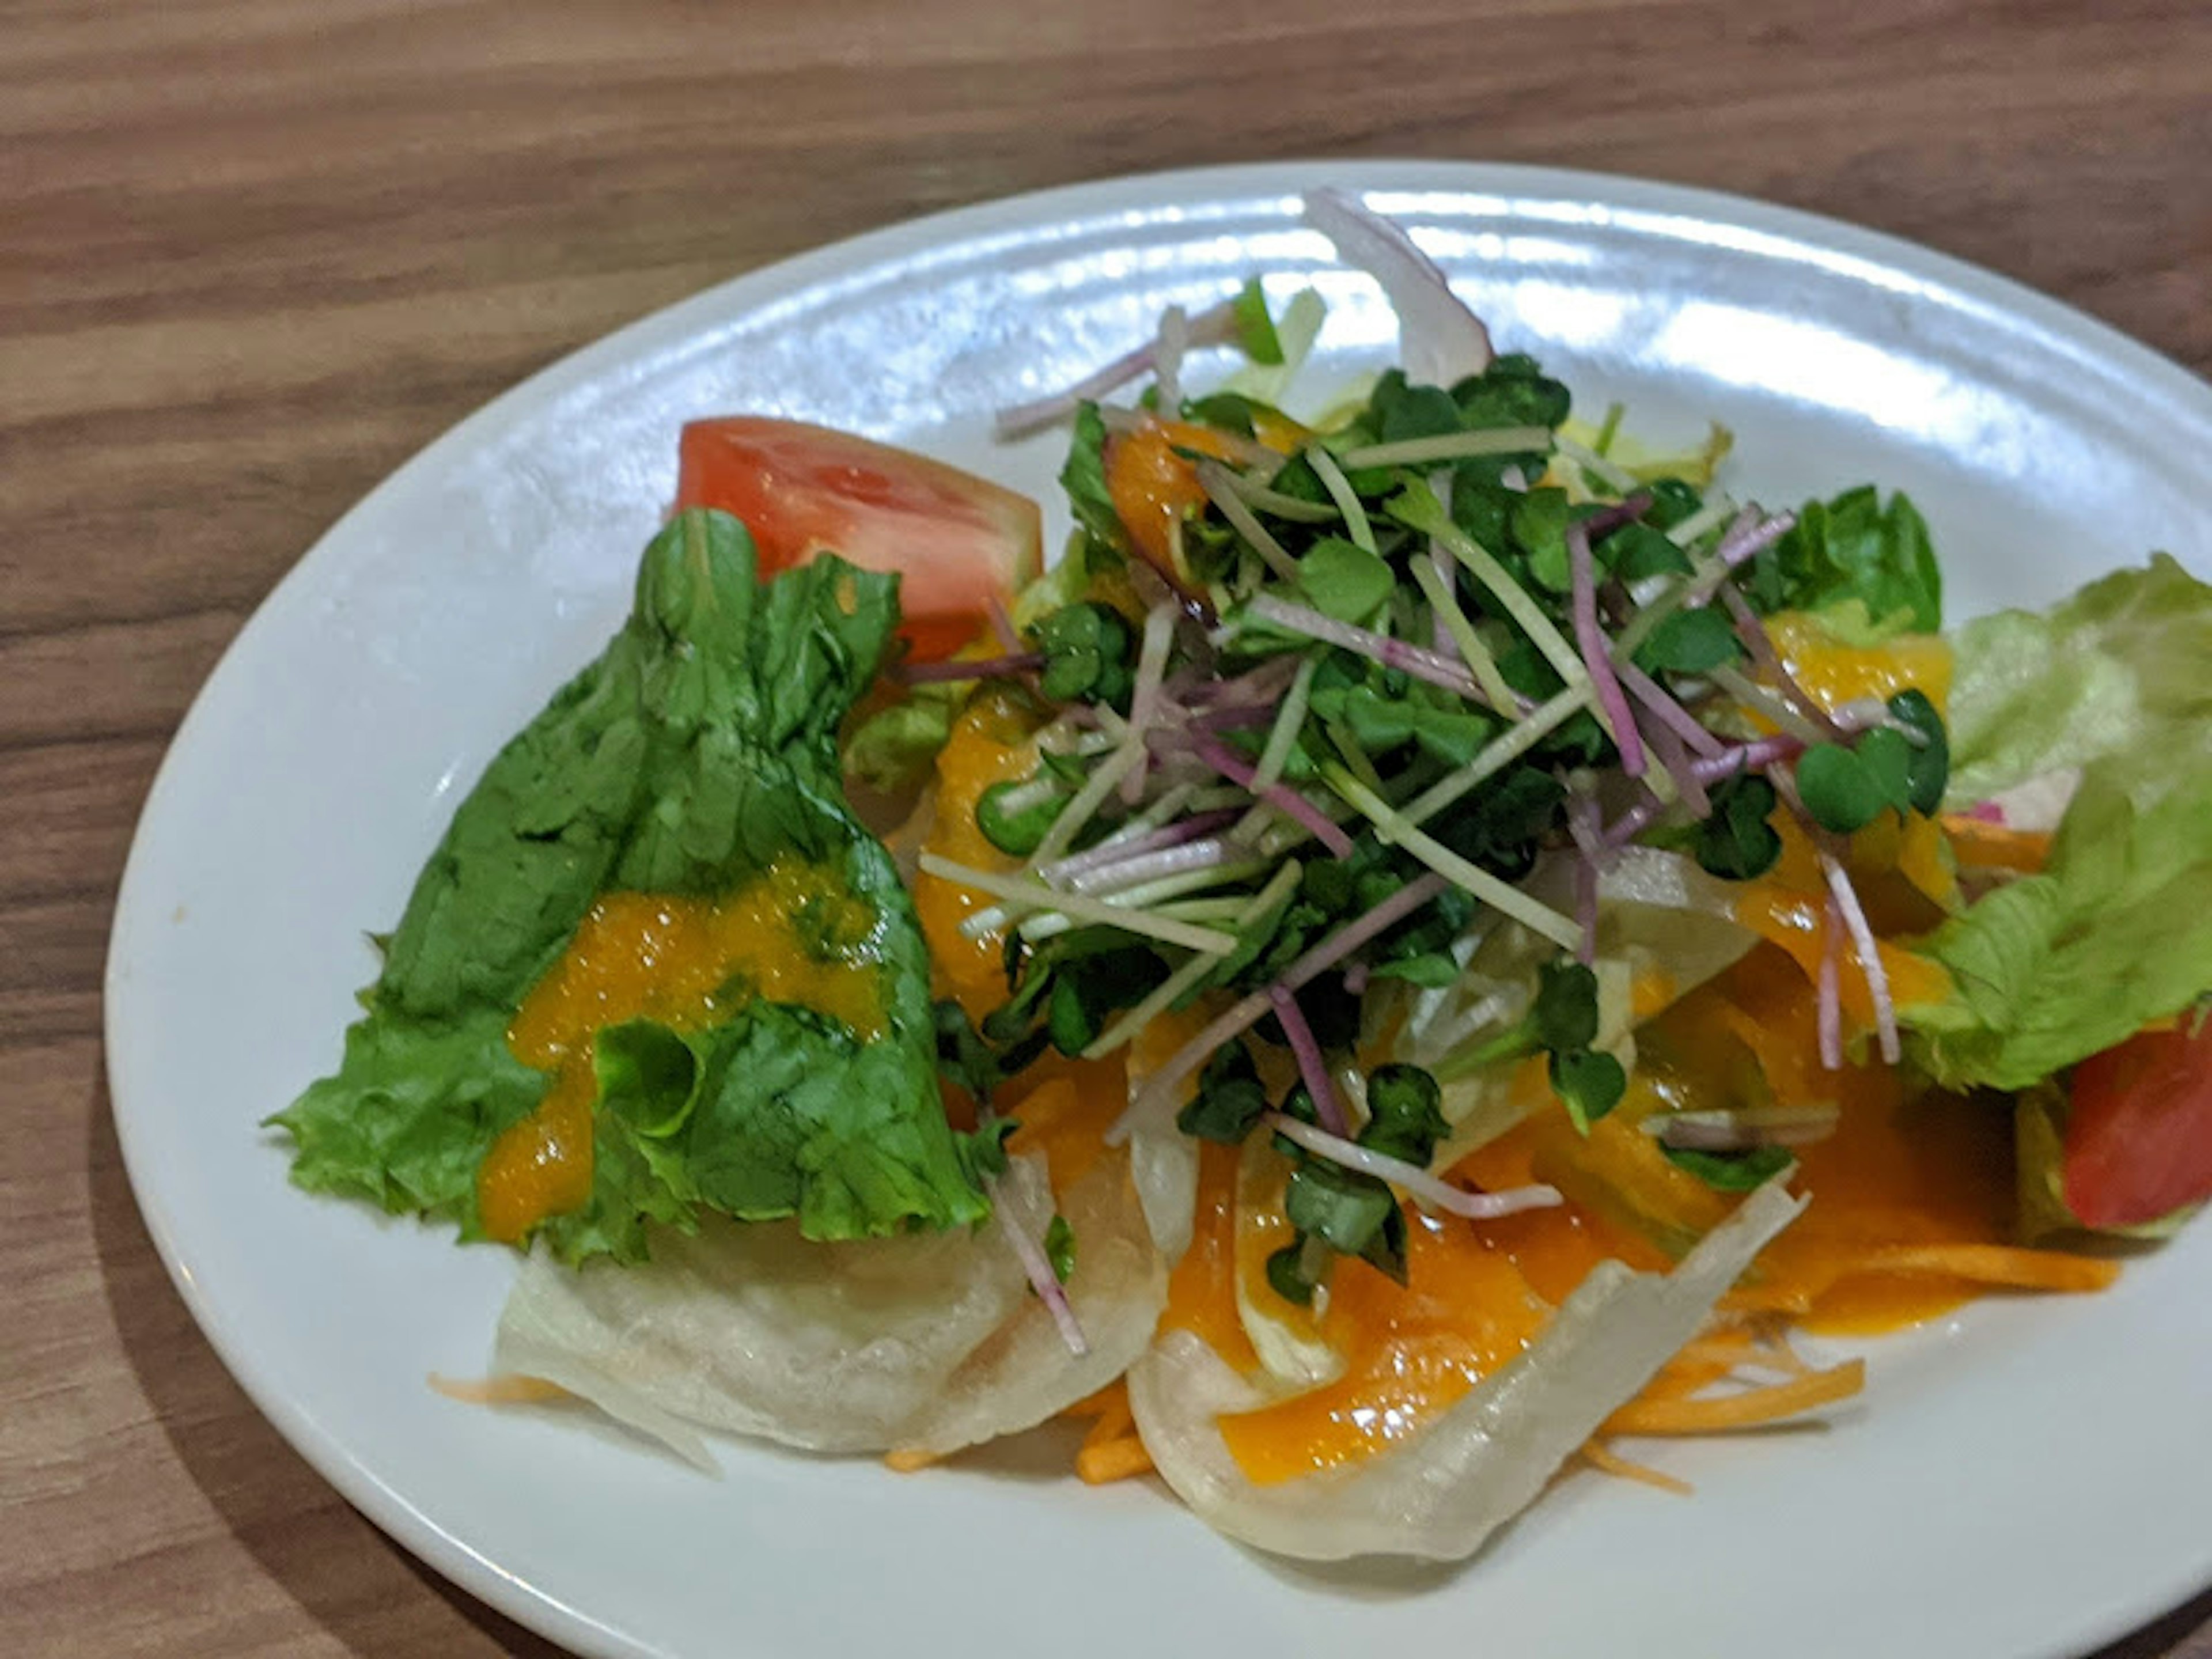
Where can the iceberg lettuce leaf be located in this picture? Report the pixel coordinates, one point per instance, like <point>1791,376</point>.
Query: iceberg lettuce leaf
<point>2117,930</point>
<point>2117,672</point>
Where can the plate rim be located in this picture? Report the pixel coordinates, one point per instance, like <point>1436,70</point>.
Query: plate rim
<point>1930,273</point>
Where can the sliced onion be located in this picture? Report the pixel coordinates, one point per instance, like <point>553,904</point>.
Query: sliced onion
<point>1215,326</point>
<point>1441,342</point>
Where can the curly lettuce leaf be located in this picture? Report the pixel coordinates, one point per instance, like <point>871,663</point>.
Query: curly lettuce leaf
<point>2115,932</point>
<point>2117,672</point>
<point>697,750</point>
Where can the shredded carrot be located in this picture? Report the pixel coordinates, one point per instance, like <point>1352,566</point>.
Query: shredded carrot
<point>1765,1301</point>
<point>1114,1396</point>
<point>1730,1345</point>
<point>1111,1450</point>
<point>1683,1376</point>
<point>1113,1424</point>
<point>1602,1457</point>
<point>1775,1353</point>
<point>510,1390</point>
<point>1116,1460</point>
<point>1749,1409</point>
<point>2006,1265</point>
<point>908,1460</point>
<point>1994,846</point>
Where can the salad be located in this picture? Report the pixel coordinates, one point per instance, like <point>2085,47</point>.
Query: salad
<point>1432,939</point>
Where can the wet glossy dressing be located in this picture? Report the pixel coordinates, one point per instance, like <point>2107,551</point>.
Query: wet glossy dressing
<point>792,936</point>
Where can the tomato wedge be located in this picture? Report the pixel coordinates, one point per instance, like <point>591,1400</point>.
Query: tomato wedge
<point>959,542</point>
<point>2139,1134</point>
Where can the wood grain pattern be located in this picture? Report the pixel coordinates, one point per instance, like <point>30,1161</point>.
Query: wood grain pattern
<point>254,252</point>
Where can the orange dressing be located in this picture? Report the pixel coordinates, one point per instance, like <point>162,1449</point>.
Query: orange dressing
<point>1996,847</point>
<point>1554,1248</point>
<point>1064,1108</point>
<point>1894,1172</point>
<point>1937,1170</point>
<point>992,742</point>
<point>791,936</point>
<point>1414,1350</point>
<point>1152,486</point>
<point>1202,1289</point>
<point>1834,673</point>
<point>1793,918</point>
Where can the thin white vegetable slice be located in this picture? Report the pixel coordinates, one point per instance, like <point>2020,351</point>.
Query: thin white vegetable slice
<point>1444,1492</point>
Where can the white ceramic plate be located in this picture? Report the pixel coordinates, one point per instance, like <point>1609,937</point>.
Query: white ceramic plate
<point>2028,1478</point>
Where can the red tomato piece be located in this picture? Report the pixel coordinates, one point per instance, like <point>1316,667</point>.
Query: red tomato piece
<point>958,541</point>
<point>2139,1135</point>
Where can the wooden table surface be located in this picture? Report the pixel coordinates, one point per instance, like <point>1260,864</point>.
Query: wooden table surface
<point>254,254</point>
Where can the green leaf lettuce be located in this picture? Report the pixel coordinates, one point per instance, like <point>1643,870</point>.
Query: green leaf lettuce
<point>700,748</point>
<point>2116,931</point>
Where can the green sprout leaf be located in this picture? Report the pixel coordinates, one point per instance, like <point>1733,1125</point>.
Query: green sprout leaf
<point>1343,580</point>
<point>1018,831</point>
<point>1690,643</point>
<point>1840,791</point>
<point>1286,1275</point>
<point>1090,655</point>
<point>1589,1084</point>
<point>1538,529</point>
<point>1229,1101</point>
<point>1637,552</point>
<point>1929,774</point>
<point>1566,1014</point>
<point>1736,841</point>
<point>1405,1117</point>
<point>1343,1208</point>
<point>1731,1172</point>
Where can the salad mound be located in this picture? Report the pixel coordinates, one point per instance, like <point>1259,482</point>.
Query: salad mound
<point>1432,938</point>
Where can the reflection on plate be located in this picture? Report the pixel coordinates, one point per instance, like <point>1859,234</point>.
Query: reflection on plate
<point>2025,1479</point>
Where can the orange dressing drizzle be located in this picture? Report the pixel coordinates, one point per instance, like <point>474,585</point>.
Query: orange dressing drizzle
<point>1896,1171</point>
<point>1152,485</point>
<point>1202,1289</point>
<point>1414,1349</point>
<point>1793,919</point>
<point>1064,1108</point>
<point>992,741</point>
<point>791,936</point>
<point>1834,673</point>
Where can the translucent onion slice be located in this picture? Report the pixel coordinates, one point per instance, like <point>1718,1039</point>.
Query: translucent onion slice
<point>1441,340</point>
<point>1444,1491</point>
